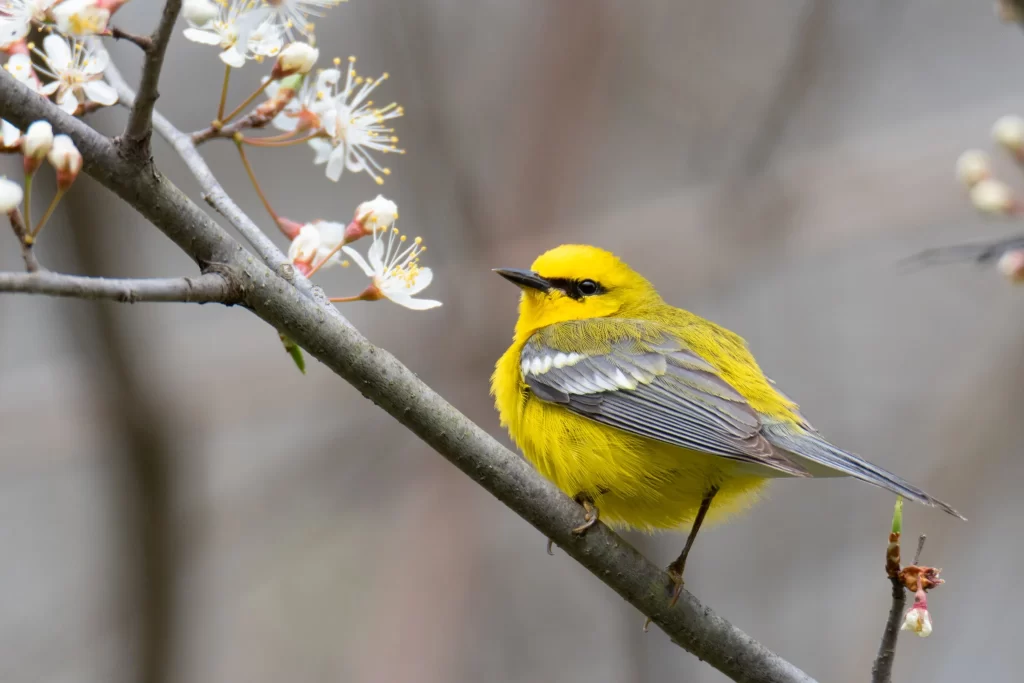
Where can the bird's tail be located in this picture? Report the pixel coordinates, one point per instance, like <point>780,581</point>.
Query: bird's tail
<point>822,459</point>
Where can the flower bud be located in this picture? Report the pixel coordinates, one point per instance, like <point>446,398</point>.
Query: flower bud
<point>1008,131</point>
<point>993,196</point>
<point>1011,264</point>
<point>295,58</point>
<point>200,12</point>
<point>36,144</point>
<point>11,195</point>
<point>379,213</point>
<point>972,167</point>
<point>919,621</point>
<point>66,160</point>
<point>304,247</point>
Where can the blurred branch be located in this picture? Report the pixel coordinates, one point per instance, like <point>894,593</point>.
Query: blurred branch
<point>981,252</point>
<point>144,457</point>
<point>325,334</point>
<point>208,288</point>
<point>135,141</point>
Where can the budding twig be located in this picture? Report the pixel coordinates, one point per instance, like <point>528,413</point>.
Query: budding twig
<point>25,239</point>
<point>137,133</point>
<point>144,42</point>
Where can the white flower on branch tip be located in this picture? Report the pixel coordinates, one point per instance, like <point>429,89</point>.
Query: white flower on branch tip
<point>77,70</point>
<point>315,242</point>
<point>392,264</point>
<point>918,621</point>
<point>293,16</point>
<point>240,28</point>
<point>81,17</point>
<point>355,128</point>
<point>16,17</point>
<point>377,214</point>
<point>11,195</point>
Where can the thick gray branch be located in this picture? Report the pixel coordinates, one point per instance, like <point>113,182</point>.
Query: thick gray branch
<point>137,133</point>
<point>208,288</point>
<point>384,380</point>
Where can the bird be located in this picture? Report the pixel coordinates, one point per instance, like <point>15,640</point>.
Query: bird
<point>649,416</point>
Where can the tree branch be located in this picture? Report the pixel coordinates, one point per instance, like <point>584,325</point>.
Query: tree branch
<point>207,288</point>
<point>28,255</point>
<point>136,138</point>
<point>881,670</point>
<point>382,378</point>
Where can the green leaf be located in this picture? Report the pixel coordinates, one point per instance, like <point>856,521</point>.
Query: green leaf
<point>295,351</point>
<point>897,516</point>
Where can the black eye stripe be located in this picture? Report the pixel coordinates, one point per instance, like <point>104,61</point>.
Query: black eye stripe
<point>577,289</point>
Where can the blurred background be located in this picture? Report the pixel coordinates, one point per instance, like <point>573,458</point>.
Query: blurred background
<point>178,503</point>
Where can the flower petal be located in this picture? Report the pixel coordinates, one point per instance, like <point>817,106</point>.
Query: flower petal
<point>97,63</point>
<point>58,53</point>
<point>200,36</point>
<point>100,92</point>
<point>359,260</point>
<point>10,133</point>
<point>323,150</point>
<point>233,58</point>
<point>68,102</point>
<point>336,163</point>
<point>415,304</point>
<point>49,88</point>
<point>423,279</point>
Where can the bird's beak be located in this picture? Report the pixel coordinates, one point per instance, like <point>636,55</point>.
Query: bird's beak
<point>524,278</point>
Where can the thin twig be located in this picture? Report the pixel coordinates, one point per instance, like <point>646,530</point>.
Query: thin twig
<point>249,121</point>
<point>920,548</point>
<point>28,255</point>
<point>136,138</point>
<point>881,670</point>
<point>303,316</point>
<point>979,252</point>
<point>144,42</point>
<point>207,288</point>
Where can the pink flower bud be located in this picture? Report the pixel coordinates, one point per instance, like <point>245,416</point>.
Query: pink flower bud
<point>1011,264</point>
<point>36,144</point>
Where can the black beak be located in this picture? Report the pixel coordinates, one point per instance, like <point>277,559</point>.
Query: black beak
<point>524,278</point>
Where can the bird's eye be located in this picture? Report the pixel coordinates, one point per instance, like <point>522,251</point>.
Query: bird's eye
<point>588,287</point>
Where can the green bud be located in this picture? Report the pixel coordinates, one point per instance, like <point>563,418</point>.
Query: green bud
<point>897,516</point>
<point>295,351</point>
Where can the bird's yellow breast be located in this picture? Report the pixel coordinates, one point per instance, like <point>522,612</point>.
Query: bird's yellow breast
<point>634,481</point>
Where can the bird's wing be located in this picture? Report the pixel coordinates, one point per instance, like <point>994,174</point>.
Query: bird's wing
<point>635,376</point>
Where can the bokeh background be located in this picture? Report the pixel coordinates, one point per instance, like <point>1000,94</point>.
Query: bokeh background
<point>178,503</point>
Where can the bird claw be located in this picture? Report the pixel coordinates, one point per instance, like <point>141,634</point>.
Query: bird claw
<point>551,544</point>
<point>591,518</point>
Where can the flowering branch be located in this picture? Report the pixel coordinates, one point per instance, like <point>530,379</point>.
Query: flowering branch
<point>207,288</point>
<point>301,312</point>
<point>137,133</point>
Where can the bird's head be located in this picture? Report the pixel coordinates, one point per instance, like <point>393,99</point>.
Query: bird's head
<point>577,282</point>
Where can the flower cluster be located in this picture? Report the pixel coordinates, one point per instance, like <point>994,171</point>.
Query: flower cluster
<point>67,68</point>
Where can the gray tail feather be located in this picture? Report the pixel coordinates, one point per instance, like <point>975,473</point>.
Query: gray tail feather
<point>823,459</point>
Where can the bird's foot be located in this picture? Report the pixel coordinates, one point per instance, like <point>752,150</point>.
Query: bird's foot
<point>591,518</point>
<point>675,585</point>
<point>551,544</point>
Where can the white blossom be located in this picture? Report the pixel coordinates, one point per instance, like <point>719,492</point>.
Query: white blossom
<point>294,16</point>
<point>315,242</point>
<point>16,17</point>
<point>65,159</point>
<point>81,17</point>
<point>11,134</point>
<point>992,196</point>
<point>1008,131</point>
<point>241,30</point>
<point>1011,264</point>
<point>77,70</point>
<point>354,128</point>
<point>377,214</point>
<point>918,621</point>
<point>10,195</point>
<point>392,264</point>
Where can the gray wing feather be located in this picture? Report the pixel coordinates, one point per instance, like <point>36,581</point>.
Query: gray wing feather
<point>657,390</point>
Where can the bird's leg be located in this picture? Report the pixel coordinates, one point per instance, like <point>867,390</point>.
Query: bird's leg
<point>591,515</point>
<point>675,570</point>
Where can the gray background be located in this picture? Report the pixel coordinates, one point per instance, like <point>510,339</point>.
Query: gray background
<point>765,164</point>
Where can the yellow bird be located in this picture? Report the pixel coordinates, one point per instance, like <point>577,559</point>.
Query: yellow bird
<point>645,413</point>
